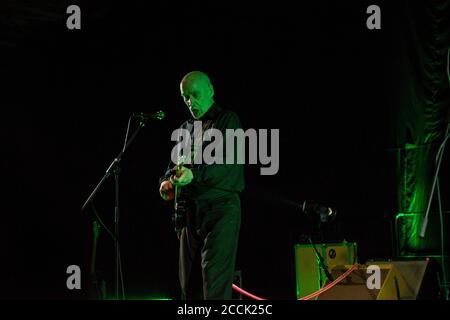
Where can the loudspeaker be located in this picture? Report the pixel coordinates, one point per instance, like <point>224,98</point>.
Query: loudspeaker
<point>421,277</point>
<point>355,285</point>
<point>399,280</point>
<point>309,275</point>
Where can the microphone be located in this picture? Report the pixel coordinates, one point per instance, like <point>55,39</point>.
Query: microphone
<point>145,116</point>
<point>325,212</point>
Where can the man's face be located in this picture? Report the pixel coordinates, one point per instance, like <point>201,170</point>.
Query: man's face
<point>197,95</point>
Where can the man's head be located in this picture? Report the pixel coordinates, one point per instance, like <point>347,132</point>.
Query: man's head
<point>197,92</point>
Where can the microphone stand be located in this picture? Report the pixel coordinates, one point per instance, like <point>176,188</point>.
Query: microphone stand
<point>114,168</point>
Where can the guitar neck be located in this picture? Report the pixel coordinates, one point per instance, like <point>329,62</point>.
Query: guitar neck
<point>177,188</point>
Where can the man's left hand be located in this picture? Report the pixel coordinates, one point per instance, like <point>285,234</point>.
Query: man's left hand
<point>185,177</point>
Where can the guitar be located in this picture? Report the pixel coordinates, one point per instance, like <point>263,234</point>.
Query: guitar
<point>179,204</point>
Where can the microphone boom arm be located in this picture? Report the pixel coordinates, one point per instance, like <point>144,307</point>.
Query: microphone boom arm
<point>112,167</point>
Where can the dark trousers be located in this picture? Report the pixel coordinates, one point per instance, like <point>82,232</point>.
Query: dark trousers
<point>208,246</point>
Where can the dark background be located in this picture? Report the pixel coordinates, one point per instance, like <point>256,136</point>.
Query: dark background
<point>312,70</point>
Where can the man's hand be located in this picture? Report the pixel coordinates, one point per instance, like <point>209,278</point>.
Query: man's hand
<point>184,177</point>
<point>166,190</point>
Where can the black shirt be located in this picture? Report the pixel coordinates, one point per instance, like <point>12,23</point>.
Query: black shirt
<point>212,181</point>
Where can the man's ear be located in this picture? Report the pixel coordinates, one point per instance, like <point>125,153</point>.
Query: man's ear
<point>211,88</point>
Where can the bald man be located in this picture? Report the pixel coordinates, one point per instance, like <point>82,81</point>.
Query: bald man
<point>209,230</point>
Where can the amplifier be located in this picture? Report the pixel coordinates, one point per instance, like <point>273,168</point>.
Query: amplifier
<point>309,275</point>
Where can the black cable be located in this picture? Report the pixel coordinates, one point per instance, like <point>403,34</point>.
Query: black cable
<point>441,218</point>
<point>440,154</point>
<point>126,135</point>
<point>101,222</point>
<point>116,240</point>
<point>99,219</point>
<point>121,276</point>
<point>118,244</point>
<point>321,261</point>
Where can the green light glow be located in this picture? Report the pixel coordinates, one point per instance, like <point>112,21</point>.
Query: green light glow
<point>151,298</point>
<point>416,174</point>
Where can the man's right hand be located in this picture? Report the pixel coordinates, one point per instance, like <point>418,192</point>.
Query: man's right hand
<point>166,190</point>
